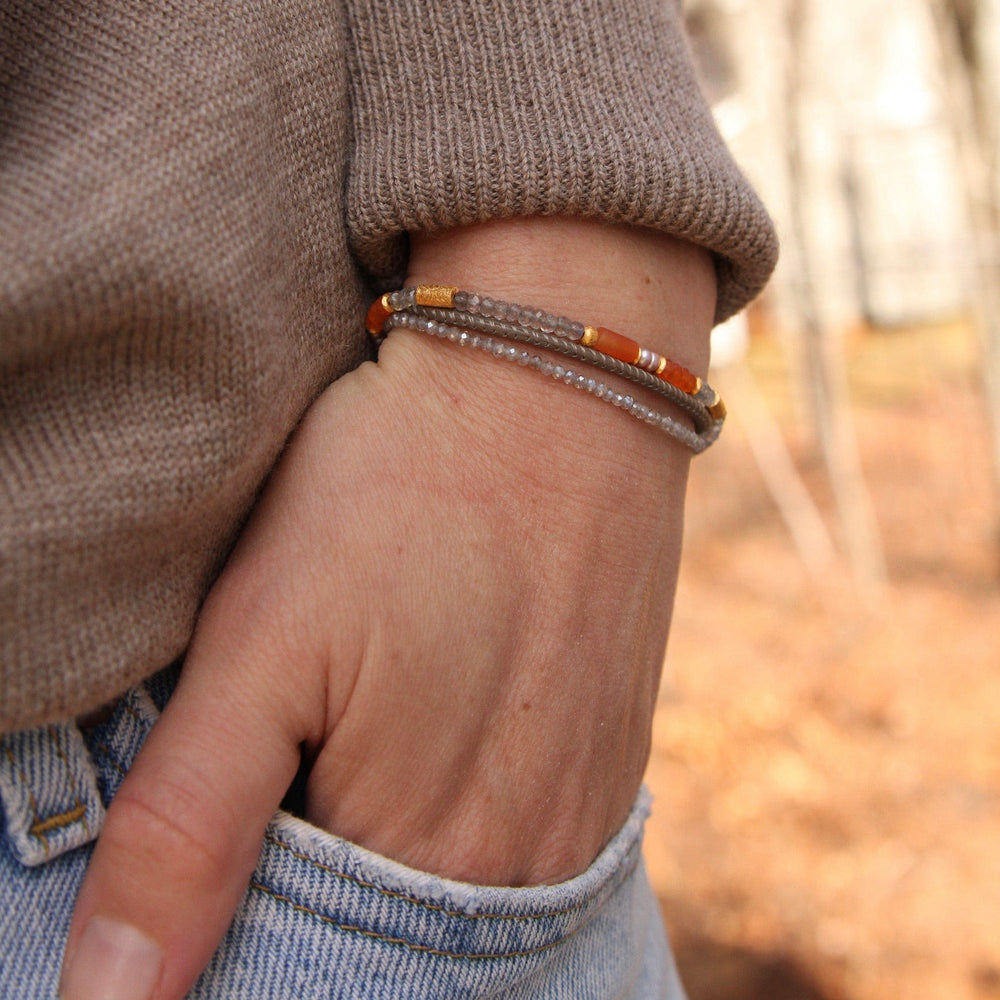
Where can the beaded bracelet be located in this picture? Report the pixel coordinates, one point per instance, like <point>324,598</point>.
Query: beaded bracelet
<point>576,350</point>
<point>450,313</point>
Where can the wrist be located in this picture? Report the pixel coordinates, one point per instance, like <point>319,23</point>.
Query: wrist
<point>639,282</point>
<point>655,291</point>
<point>648,286</point>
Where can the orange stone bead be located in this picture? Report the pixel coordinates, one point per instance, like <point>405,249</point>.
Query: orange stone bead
<point>679,376</point>
<point>377,315</point>
<point>616,346</point>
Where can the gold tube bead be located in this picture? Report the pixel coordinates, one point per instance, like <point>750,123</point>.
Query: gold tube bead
<point>717,409</point>
<point>589,337</point>
<point>437,296</point>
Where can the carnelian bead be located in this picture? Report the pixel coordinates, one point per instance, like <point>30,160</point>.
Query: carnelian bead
<point>616,346</point>
<point>679,376</point>
<point>377,315</point>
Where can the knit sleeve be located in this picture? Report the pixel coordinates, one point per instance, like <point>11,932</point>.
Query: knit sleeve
<point>469,111</point>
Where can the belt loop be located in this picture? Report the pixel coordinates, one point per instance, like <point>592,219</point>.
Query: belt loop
<point>48,788</point>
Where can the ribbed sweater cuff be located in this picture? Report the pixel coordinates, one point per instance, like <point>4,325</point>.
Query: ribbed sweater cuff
<point>466,112</point>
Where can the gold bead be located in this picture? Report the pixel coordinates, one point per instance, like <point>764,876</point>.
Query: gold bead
<point>717,409</point>
<point>589,337</point>
<point>438,296</point>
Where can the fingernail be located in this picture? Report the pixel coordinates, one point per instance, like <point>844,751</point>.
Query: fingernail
<point>111,961</point>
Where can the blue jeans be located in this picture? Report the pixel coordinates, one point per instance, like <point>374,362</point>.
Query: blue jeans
<point>322,918</point>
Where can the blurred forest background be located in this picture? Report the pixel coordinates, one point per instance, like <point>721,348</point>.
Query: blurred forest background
<point>826,753</point>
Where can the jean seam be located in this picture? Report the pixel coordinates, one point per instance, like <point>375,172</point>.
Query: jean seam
<point>437,907</point>
<point>104,749</point>
<point>403,942</point>
<point>101,747</point>
<point>41,829</point>
<point>134,712</point>
<point>79,812</point>
<point>36,819</point>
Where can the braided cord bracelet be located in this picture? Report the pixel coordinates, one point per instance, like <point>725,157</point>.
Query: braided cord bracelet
<point>576,350</point>
<point>451,314</point>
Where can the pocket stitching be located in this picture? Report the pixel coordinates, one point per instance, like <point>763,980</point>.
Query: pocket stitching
<point>412,945</point>
<point>622,875</point>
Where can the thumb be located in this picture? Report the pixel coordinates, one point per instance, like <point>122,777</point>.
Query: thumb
<point>182,834</point>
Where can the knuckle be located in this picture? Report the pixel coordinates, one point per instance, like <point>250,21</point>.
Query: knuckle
<point>172,827</point>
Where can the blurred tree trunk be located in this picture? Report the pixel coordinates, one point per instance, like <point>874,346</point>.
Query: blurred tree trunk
<point>973,111</point>
<point>824,360</point>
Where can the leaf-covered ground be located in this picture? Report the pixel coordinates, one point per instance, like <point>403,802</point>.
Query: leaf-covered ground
<point>826,760</point>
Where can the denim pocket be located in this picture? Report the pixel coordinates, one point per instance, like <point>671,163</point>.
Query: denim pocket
<point>325,918</point>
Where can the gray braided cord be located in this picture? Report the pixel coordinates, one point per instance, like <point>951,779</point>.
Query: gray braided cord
<point>696,441</point>
<point>569,348</point>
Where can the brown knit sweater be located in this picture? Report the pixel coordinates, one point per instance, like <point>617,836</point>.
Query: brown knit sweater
<point>196,202</point>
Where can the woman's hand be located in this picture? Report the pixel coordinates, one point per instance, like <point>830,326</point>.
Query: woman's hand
<point>453,598</point>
